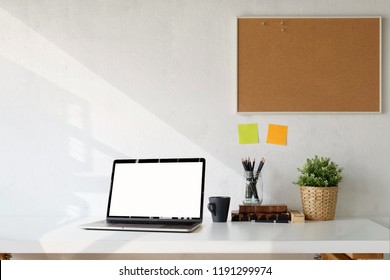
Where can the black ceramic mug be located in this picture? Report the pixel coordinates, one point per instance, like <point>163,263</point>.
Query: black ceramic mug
<point>219,208</point>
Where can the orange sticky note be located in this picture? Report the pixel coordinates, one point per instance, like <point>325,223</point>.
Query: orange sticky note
<point>277,134</point>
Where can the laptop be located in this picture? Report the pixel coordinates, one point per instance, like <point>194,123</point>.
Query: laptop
<point>155,195</point>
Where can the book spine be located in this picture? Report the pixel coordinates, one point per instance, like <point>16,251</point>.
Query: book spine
<point>263,208</point>
<point>246,217</point>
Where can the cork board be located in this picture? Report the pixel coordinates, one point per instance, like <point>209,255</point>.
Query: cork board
<point>309,64</point>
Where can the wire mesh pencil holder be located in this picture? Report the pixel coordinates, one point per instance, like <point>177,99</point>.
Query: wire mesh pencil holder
<point>253,188</point>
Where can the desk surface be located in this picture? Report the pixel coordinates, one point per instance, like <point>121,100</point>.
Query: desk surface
<point>50,235</point>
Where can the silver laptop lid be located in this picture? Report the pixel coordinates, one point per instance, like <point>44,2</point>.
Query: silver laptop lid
<point>157,190</point>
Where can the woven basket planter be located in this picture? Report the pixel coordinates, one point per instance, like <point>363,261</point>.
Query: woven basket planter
<point>319,203</point>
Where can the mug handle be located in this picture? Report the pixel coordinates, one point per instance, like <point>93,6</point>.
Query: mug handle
<point>211,207</point>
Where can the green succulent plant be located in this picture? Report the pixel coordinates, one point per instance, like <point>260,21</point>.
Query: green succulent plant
<point>319,172</point>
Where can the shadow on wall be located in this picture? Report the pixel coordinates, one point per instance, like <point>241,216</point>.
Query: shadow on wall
<point>48,149</point>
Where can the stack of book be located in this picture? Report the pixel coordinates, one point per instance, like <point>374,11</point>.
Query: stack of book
<point>261,213</point>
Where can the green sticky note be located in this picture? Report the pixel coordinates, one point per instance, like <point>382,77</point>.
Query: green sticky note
<point>248,133</point>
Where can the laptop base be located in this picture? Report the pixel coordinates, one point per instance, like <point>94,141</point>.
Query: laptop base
<point>104,225</point>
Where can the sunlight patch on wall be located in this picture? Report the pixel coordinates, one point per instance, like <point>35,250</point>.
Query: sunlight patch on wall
<point>77,149</point>
<point>75,116</point>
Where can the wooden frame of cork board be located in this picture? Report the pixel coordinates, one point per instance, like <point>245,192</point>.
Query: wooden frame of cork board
<point>309,64</point>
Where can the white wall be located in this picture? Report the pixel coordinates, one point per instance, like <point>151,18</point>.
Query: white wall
<point>84,82</point>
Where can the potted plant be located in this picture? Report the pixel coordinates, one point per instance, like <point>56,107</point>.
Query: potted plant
<point>319,178</point>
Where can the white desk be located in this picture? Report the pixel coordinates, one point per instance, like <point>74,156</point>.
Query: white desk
<point>50,235</point>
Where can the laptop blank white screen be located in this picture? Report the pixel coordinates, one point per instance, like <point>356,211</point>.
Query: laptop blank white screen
<point>164,190</point>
